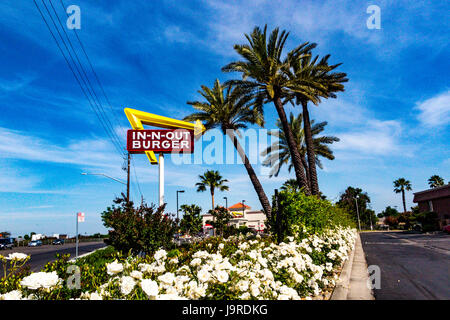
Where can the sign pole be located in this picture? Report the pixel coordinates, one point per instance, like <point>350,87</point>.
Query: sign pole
<point>161,179</point>
<point>76,246</point>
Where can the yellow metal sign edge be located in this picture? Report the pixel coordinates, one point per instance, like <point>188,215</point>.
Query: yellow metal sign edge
<point>139,118</point>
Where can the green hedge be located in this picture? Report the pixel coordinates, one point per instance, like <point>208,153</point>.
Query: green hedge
<point>301,214</point>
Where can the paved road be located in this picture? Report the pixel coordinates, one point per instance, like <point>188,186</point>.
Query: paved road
<point>43,254</point>
<point>413,266</point>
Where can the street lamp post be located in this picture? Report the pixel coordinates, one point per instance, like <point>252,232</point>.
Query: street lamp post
<point>243,207</point>
<point>357,212</point>
<point>178,191</point>
<point>226,202</point>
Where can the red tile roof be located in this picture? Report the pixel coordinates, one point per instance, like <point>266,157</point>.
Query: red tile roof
<point>238,205</point>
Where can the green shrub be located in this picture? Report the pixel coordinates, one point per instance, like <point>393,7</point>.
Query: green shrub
<point>295,214</point>
<point>141,229</point>
<point>191,223</point>
<point>428,220</point>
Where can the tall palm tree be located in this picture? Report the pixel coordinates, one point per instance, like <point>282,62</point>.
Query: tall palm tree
<point>269,79</point>
<point>436,181</point>
<point>213,180</point>
<point>230,110</point>
<point>400,186</point>
<point>278,153</point>
<point>307,67</point>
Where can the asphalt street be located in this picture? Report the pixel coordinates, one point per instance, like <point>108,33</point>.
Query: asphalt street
<point>43,254</point>
<point>413,266</point>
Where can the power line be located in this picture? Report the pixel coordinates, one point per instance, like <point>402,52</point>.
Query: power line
<point>88,85</point>
<point>95,73</point>
<point>74,73</point>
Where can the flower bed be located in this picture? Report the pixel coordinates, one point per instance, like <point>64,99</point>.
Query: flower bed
<point>233,268</point>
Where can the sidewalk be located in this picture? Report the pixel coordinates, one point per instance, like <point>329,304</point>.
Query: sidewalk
<point>352,283</point>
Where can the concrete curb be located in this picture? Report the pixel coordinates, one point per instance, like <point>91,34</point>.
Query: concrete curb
<point>359,277</point>
<point>86,254</point>
<point>352,283</point>
<point>341,288</point>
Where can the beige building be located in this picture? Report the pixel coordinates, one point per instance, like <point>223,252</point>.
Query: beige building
<point>242,216</point>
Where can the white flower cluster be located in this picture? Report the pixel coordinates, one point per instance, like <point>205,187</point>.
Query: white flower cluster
<point>17,256</point>
<point>237,268</point>
<point>256,270</point>
<point>41,280</point>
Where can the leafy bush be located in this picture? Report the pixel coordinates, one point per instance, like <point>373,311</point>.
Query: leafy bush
<point>296,214</point>
<point>221,217</point>
<point>191,223</point>
<point>428,220</point>
<point>139,229</point>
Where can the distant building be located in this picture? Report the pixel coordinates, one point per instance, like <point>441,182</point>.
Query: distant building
<point>242,216</point>
<point>435,200</point>
<point>37,236</point>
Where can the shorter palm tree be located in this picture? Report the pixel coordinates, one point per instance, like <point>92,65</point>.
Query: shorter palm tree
<point>231,110</point>
<point>213,180</point>
<point>290,184</point>
<point>436,181</point>
<point>278,153</point>
<point>400,186</point>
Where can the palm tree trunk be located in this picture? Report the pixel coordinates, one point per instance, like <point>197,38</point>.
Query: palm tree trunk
<point>305,164</point>
<point>214,218</point>
<point>310,150</point>
<point>293,148</point>
<point>404,202</point>
<point>251,173</point>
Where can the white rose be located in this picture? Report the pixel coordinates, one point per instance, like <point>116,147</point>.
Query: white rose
<point>17,256</point>
<point>127,285</point>
<point>222,276</point>
<point>12,295</point>
<point>136,274</point>
<point>114,267</point>
<point>39,280</point>
<point>203,275</point>
<point>243,285</point>
<point>150,288</point>
<point>167,278</point>
<point>95,296</point>
<point>160,255</point>
<point>254,289</point>
<point>196,262</point>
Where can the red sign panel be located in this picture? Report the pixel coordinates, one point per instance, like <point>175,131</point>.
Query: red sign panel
<point>161,141</point>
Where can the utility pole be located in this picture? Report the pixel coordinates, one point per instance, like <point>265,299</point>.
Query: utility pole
<point>128,178</point>
<point>178,191</point>
<point>357,212</point>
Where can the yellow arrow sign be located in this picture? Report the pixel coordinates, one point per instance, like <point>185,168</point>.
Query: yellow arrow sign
<point>139,118</point>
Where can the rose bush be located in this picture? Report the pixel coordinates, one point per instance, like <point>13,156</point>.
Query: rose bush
<point>239,267</point>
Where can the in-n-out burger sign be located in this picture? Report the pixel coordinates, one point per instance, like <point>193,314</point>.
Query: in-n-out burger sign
<point>178,138</point>
<point>160,141</point>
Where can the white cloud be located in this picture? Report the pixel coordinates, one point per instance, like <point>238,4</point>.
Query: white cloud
<point>375,138</point>
<point>435,111</point>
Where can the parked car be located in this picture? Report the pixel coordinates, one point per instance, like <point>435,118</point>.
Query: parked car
<point>58,242</point>
<point>6,243</point>
<point>446,228</point>
<point>35,243</point>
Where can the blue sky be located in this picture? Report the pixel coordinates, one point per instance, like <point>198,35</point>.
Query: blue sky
<point>393,118</point>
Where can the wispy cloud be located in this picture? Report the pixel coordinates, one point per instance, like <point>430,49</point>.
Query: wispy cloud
<point>435,112</point>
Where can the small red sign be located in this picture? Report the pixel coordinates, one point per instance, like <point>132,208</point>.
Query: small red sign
<point>162,141</point>
<point>80,216</point>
